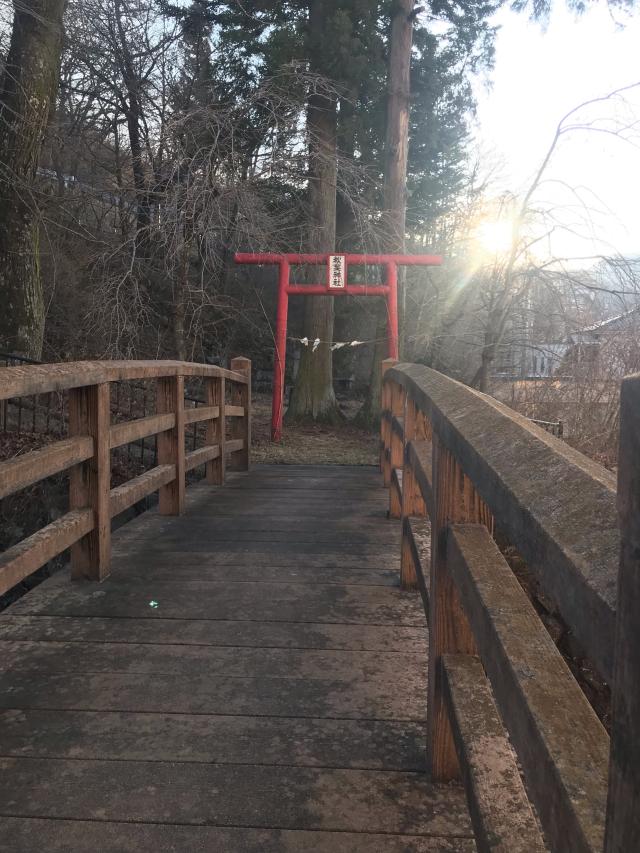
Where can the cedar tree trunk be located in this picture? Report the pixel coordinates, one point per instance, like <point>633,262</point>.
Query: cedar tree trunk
<point>28,91</point>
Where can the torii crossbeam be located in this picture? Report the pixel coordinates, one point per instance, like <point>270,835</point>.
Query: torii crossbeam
<point>337,270</point>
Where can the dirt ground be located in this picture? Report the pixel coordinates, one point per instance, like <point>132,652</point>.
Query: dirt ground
<point>310,443</point>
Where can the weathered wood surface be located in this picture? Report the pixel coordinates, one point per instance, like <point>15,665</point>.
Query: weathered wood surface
<point>501,813</point>
<point>23,471</point>
<point>255,683</point>
<point>561,744</point>
<point>623,807</point>
<point>19,561</point>
<point>25,380</point>
<point>129,431</point>
<point>129,493</point>
<point>202,413</point>
<point>556,506</point>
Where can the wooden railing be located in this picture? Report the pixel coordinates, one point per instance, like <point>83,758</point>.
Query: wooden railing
<point>497,681</point>
<point>86,453</point>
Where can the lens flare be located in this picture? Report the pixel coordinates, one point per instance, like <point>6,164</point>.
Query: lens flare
<point>495,237</point>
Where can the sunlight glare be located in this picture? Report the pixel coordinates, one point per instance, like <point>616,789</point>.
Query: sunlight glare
<point>495,237</point>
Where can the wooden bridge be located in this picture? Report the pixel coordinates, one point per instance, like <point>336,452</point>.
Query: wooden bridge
<point>252,671</point>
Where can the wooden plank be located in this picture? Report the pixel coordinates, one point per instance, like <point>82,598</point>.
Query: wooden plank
<point>203,554</point>
<point>129,431</point>
<point>209,632</point>
<point>501,814</point>
<point>256,529</point>
<point>234,411</point>
<point>30,468</point>
<point>240,429</point>
<point>200,457</point>
<point>216,661</point>
<point>129,493</point>
<point>302,603</point>
<point>309,549</point>
<point>171,450</point>
<point>270,526</point>
<point>176,693</point>
<point>217,739</point>
<point>21,560</point>
<point>557,507</point>
<point>623,806</point>
<point>89,482</point>
<point>346,490</point>
<point>561,744</point>
<point>217,794</point>
<point>26,380</point>
<point>201,413</point>
<point>24,835</point>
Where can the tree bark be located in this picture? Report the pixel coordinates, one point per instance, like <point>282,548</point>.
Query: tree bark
<point>397,131</point>
<point>134,114</point>
<point>395,182</point>
<point>313,396</point>
<point>28,90</point>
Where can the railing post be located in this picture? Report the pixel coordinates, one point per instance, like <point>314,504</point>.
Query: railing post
<point>397,411</point>
<point>623,807</point>
<point>90,482</point>
<point>456,501</point>
<point>412,502</point>
<point>215,430</point>
<point>170,398</point>
<point>385,423</point>
<point>241,427</point>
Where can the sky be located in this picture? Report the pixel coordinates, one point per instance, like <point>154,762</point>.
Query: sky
<point>593,179</point>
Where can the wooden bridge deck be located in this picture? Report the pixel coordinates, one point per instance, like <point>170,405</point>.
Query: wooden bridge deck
<point>250,678</point>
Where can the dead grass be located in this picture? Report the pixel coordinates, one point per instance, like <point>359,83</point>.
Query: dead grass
<point>311,444</point>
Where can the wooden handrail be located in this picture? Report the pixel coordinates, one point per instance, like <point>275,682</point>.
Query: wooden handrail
<point>30,468</point>
<point>556,506</point>
<point>472,465</point>
<point>85,454</point>
<point>26,380</point>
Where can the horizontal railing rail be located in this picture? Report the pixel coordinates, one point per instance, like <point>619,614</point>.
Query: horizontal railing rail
<point>496,680</point>
<point>86,452</point>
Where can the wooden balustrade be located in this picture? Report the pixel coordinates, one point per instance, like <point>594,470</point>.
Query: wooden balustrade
<point>86,454</point>
<point>505,713</point>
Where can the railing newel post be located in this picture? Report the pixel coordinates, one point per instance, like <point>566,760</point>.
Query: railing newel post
<point>622,832</point>
<point>241,427</point>
<point>449,629</point>
<point>396,451</point>
<point>215,391</point>
<point>171,449</point>
<point>90,481</point>
<point>412,501</point>
<point>385,423</point>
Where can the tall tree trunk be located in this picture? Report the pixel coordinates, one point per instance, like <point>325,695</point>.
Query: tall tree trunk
<point>313,396</point>
<point>395,179</point>
<point>133,110</point>
<point>181,287</point>
<point>396,146</point>
<point>28,91</point>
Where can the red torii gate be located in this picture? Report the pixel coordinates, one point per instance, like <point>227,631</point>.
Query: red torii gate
<point>337,268</point>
